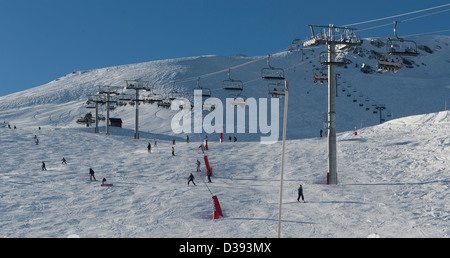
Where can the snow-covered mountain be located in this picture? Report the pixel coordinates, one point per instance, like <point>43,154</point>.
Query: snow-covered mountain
<point>393,177</point>
<point>420,87</point>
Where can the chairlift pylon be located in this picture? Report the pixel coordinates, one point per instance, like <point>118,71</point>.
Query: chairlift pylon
<point>272,73</point>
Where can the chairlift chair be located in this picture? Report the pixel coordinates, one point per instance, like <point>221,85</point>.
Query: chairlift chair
<point>231,84</point>
<point>340,59</point>
<point>387,65</point>
<point>319,76</point>
<point>403,48</point>
<point>276,89</point>
<point>272,73</point>
<point>238,100</point>
<point>206,93</point>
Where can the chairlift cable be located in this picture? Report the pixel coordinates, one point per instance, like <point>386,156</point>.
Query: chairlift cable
<point>394,16</point>
<point>410,19</point>
<point>426,33</point>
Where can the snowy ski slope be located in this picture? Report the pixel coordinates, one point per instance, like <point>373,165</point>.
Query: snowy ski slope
<point>393,178</point>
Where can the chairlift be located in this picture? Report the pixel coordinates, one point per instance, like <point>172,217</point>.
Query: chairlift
<point>319,76</point>
<point>276,89</point>
<point>400,46</point>
<point>231,84</point>
<point>340,59</point>
<point>387,65</point>
<point>154,98</point>
<point>238,100</point>
<point>206,93</point>
<point>137,84</point>
<point>272,73</point>
<point>165,103</point>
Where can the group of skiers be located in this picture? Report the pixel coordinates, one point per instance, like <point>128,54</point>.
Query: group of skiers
<point>64,162</point>
<point>191,177</point>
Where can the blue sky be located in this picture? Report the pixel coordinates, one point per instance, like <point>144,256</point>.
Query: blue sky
<point>42,40</point>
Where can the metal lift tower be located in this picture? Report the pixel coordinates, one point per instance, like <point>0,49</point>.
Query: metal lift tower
<point>332,36</point>
<point>137,85</point>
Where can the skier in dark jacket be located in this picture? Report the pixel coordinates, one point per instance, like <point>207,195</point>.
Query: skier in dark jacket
<point>208,173</point>
<point>191,179</point>
<point>300,194</point>
<point>198,165</point>
<point>43,166</point>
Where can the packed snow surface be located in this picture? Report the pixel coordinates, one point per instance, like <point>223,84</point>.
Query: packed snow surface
<point>393,182</point>
<point>393,178</point>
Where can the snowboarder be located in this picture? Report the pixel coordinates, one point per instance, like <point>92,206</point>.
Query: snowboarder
<point>235,139</point>
<point>300,194</point>
<point>103,181</point>
<point>198,166</point>
<point>91,174</point>
<point>64,161</point>
<point>173,151</point>
<point>229,138</point>
<point>191,179</point>
<point>43,166</point>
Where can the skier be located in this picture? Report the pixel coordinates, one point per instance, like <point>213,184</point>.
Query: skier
<point>91,173</point>
<point>149,147</point>
<point>37,141</point>
<point>173,151</point>
<point>198,166</point>
<point>191,179</point>
<point>235,139</point>
<point>43,166</point>
<point>321,131</point>
<point>300,194</point>
<point>173,142</point>
<point>64,161</point>
<point>187,139</point>
<point>229,138</point>
<point>208,173</point>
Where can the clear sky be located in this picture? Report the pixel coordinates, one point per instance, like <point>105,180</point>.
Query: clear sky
<point>41,40</point>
